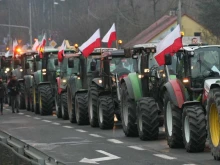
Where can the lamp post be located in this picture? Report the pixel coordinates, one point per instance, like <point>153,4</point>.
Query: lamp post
<point>179,14</point>
<point>30,21</point>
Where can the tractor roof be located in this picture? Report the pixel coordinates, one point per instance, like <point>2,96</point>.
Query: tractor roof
<point>192,48</point>
<point>149,45</point>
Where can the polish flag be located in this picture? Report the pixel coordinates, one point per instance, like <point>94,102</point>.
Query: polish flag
<point>14,46</point>
<point>169,45</point>
<point>35,46</point>
<point>110,36</point>
<point>41,46</point>
<point>61,51</point>
<point>7,54</point>
<point>93,42</point>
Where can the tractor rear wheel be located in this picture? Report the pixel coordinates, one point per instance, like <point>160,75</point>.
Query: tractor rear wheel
<point>64,106</point>
<point>35,104</point>
<point>194,128</point>
<point>82,117</point>
<point>106,112</point>
<point>213,122</point>
<point>148,119</point>
<point>173,123</point>
<point>92,105</point>
<point>22,96</point>
<point>128,113</point>
<point>46,100</point>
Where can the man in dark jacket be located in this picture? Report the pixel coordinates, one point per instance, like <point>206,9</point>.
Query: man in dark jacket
<point>14,88</point>
<point>2,95</point>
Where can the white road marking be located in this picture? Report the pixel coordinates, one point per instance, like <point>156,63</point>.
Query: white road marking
<point>96,160</point>
<point>48,121</point>
<point>80,130</point>
<point>115,141</point>
<point>56,123</point>
<point>136,148</point>
<point>20,113</point>
<point>37,118</point>
<point>189,164</point>
<point>165,156</point>
<point>96,135</point>
<point>67,127</point>
<point>28,115</point>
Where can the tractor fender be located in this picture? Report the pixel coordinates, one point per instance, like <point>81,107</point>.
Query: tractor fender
<point>28,79</point>
<point>96,81</point>
<point>58,85</point>
<point>81,91</point>
<point>36,78</point>
<point>133,85</point>
<point>215,85</point>
<point>105,93</point>
<point>191,103</point>
<point>176,92</point>
<point>44,83</point>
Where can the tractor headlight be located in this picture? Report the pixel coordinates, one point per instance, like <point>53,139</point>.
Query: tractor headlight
<point>113,79</point>
<point>7,69</point>
<point>44,70</point>
<point>140,76</point>
<point>44,73</point>
<point>146,70</point>
<point>64,81</point>
<point>100,81</point>
<point>21,70</point>
<point>78,78</point>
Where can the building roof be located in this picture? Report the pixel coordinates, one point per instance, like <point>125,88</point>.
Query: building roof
<point>152,31</point>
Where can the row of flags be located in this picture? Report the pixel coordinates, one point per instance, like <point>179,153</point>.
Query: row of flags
<point>169,45</point>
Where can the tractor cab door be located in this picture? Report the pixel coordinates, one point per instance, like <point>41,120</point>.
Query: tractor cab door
<point>93,69</point>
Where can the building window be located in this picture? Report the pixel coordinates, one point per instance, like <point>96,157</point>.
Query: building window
<point>197,34</point>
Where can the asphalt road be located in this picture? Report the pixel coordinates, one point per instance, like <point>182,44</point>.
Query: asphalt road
<point>73,144</point>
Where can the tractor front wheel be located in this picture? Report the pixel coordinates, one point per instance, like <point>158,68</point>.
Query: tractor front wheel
<point>64,106</point>
<point>148,121</point>
<point>213,122</point>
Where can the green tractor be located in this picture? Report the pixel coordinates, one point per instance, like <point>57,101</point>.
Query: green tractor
<point>104,93</point>
<point>44,82</point>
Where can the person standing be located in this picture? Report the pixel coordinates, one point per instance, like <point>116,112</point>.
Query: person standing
<point>14,88</point>
<point>2,95</point>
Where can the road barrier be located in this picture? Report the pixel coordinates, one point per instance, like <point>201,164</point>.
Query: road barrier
<point>16,152</point>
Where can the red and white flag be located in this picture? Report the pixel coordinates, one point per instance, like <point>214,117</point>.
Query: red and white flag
<point>36,45</point>
<point>110,36</point>
<point>14,47</point>
<point>93,42</point>
<point>41,46</point>
<point>169,45</point>
<point>61,51</point>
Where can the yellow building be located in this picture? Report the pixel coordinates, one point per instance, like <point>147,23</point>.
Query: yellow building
<point>158,30</point>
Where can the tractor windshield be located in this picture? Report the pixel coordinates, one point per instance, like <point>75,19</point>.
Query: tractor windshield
<point>119,65</point>
<point>51,66</point>
<point>205,61</point>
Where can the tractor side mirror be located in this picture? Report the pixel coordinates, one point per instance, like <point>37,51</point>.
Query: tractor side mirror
<point>93,66</point>
<point>56,62</point>
<point>27,66</point>
<point>37,58</point>
<point>128,52</point>
<point>168,59</point>
<point>70,63</point>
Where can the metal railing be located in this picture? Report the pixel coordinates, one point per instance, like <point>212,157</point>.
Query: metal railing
<point>16,152</point>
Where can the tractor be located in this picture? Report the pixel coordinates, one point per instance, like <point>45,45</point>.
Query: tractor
<point>44,82</point>
<point>141,101</point>
<point>104,93</point>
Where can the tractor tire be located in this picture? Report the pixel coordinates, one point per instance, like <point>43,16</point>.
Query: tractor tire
<point>22,96</point>
<point>64,106</point>
<point>71,107</point>
<point>31,100</point>
<point>148,119</point>
<point>128,113</point>
<point>81,109</point>
<point>58,105</point>
<point>173,123</point>
<point>194,128</point>
<point>106,112</point>
<point>92,105</point>
<point>35,103</point>
<point>213,122</point>
<point>27,100</point>
<point>45,99</point>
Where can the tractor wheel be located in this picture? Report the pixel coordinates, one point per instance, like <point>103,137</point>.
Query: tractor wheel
<point>45,100</point>
<point>64,107</point>
<point>194,128</point>
<point>31,100</point>
<point>173,123</point>
<point>128,113</point>
<point>27,100</point>
<point>92,105</point>
<point>213,122</point>
<point>81,110</point>
<point>71,107</point>
<point>35,104</point>
<point>106,112</point>
<point>148,119</point>
<point>58,106</point>
<point>22,96</point>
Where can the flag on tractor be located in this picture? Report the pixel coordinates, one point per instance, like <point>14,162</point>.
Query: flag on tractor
<point>169,45</point>
<point>61,51</point>
<point>93,42</point>
<point>15,47</point>
<point>41,46</point>
<point>110,36</point>
<point>36,45</point>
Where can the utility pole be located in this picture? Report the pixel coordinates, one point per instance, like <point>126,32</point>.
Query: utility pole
<point>179,14</point>
<point>9,23</point>
<point>30,18</point>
